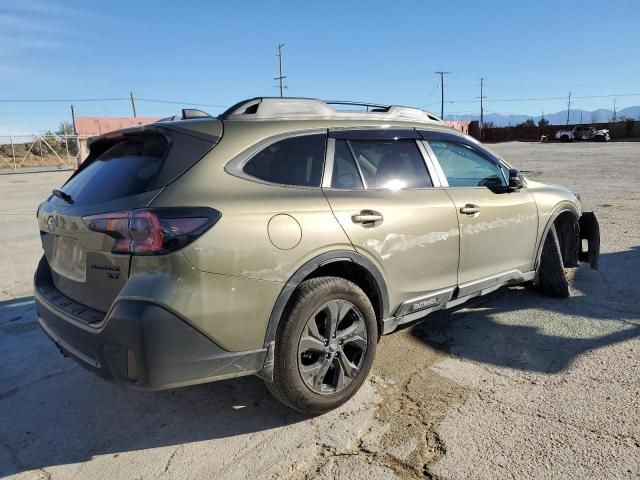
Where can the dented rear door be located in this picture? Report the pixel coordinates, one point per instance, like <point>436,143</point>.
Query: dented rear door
<point>392,212</point>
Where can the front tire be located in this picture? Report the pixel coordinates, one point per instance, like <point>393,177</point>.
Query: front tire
<point>552,278</point>
<point>325,345</point>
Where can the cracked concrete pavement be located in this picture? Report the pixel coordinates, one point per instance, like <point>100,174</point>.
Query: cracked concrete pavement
<point>514,385</point>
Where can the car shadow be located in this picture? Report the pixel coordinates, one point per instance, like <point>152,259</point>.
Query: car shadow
<point>54,412</point>
<point>520,328</point>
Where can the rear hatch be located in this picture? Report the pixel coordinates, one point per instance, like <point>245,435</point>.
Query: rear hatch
<point>124,171</point>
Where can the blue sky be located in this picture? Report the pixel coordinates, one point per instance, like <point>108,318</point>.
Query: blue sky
<point>216,53</point>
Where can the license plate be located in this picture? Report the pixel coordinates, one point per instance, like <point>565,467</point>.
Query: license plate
<point>69,259</point>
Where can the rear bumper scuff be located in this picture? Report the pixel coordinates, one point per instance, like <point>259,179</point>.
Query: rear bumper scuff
<point>140,344</point>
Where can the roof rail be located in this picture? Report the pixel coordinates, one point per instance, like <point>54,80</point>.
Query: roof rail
<point>277,108</point>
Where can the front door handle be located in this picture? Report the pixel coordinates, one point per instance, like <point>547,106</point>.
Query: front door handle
<point>470,209</point>
<point>367,217</point>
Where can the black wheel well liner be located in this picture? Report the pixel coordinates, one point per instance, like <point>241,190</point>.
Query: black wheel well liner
<point>564,218</point>
<point>350,265</point>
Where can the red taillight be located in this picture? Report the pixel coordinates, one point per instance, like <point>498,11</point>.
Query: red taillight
<point>145,232</point>
<point>153,231</point>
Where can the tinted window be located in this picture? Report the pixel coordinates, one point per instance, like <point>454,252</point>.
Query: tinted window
<point>345,173</point>
<point>465,167</point>
<point>292,161</point>
<point>391,164</point>
<point>127,168</point>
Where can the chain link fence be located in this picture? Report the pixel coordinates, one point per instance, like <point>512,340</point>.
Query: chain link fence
<point>39,152</point>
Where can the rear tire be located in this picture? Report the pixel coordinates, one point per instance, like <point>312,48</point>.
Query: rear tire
<point>319,364</point>
<point>552,278</point>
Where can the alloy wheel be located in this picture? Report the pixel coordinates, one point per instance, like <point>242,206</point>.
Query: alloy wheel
<point>332,347</point>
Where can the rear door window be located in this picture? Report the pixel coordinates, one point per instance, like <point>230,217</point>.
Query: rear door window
<point>392,164</point>
<point>294,161</point>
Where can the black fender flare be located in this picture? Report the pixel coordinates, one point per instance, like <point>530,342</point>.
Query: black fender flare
<point>266,373</point>
<point>559,211</point>
<point>307,269</point>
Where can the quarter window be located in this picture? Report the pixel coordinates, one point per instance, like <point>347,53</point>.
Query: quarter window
<point>393,164</point>
<point>345,173</point>
<point>295,161</point>
<point>464,167</point>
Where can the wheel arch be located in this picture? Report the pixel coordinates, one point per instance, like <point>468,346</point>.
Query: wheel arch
<point>564,215</point>
<point>341,263</point>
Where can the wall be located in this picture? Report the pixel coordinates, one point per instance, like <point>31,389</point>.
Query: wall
<point>626,129</point>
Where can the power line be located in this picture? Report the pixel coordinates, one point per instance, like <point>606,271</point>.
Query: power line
<point>154,100</point>
<point>176,102</point>
<point>613,95</point>
<point>568,108</point>
<point>75,100</point>
<point>442,74</point>
<point>66,100</point>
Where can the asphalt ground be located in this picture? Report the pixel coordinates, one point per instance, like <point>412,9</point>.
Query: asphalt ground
<point>513,385</point>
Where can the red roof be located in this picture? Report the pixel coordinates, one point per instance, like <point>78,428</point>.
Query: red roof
<point>91,126</point>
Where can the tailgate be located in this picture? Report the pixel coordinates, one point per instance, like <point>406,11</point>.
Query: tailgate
<point>124,171</point>
<point>81,262</point>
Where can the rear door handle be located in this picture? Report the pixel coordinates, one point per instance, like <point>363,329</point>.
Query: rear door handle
<point>470,209</point>
<point>367,217</point>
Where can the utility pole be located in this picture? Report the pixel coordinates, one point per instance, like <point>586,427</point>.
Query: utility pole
<point>442,74</point>
<point>13,151</point>
<point>75,132</point>
<point>73,120</point>
<point>568,108</point>
<point>482,97</point>
<point>615,114</point>
<point>281,77</point>
<point>133,104</point>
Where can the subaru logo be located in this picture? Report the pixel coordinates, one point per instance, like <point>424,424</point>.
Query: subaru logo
<point>51,223</point>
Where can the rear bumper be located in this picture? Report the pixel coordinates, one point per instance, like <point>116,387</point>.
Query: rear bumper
<point>139,343</point>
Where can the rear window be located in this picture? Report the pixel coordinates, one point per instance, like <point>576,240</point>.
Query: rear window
<point>135,164</point>
<point>127,168</point>
<point>295,161</point>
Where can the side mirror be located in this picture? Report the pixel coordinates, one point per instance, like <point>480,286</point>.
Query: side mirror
<point>516,182</point>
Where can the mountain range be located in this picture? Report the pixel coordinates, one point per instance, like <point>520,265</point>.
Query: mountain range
<point>602,115</point>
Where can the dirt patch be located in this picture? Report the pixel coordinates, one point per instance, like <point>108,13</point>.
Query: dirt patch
<point>415,400</point>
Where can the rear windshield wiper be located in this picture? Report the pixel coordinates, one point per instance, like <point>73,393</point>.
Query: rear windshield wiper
<point>64,196</point>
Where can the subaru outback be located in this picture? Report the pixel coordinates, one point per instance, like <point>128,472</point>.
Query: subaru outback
<point>283,238</point>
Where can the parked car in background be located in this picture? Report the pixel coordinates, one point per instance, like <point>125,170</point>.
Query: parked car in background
<point>583,133</point>
<point>282,239</point>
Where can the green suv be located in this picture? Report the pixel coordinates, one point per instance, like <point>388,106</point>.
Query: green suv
<point>282,239</point>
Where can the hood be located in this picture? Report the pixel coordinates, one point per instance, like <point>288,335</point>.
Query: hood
<point>547,194</point>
